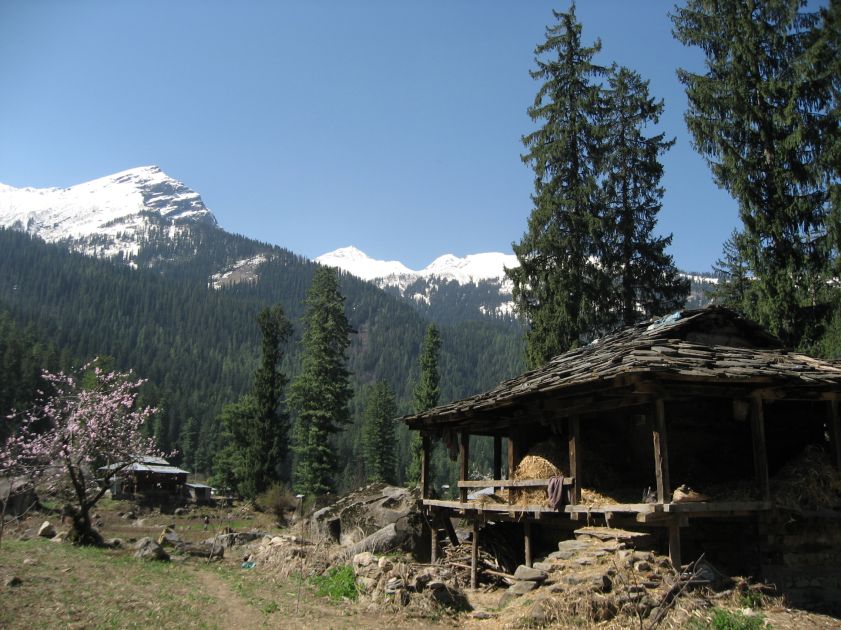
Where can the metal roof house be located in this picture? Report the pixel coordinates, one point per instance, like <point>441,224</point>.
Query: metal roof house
<point>703,397</point>
<point>149,479</point>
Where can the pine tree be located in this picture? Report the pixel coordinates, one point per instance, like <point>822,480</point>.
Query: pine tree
<point>733,289</point>
<point>426,393</point>
<point>645,278</point>
<point>256,425</point>
<point>378,433</point>
<point>559,284</point>
<point>320,394</point>
<point>759,116</point>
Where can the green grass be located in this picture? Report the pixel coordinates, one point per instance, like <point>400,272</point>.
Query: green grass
<point>730,620</point>
<point>66,586</point>
<point>337,583</point>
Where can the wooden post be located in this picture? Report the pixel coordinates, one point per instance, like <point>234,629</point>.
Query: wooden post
<point>760,457</point>
<point>574,425</point>
<point>464,457</point>
<point>661,454</point>
<point>497,470</point>
<point>674,544</point>
<point>834,432</point>
<point>513,453</point>
<point>425,476</point>
<point>433,534</point>
<point>527,542</point>
<point>474,556</point>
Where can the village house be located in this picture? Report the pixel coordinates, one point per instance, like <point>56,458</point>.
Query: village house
<point>699,429</point>
<point>149,479</point>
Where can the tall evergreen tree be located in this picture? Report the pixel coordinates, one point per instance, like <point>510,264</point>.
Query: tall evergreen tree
<point>320,394</point>
<point>558,283</point>
<point>426,393</point>
<point>759,116</point>
<point>257,425</point>
<point>645,279</point>
<point>378,433</point>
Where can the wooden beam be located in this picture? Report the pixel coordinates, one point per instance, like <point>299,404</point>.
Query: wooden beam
<point>574,444</point>
<point>511,483</point>
<point>497,464</point>
<point>527,543</point>
<point>464,459</point>
<point>674,545</point>
<point>474,556</point>
<point>425,475</point>
<point>661,453</point>
<point>834,432</point>
<point>760,457</point>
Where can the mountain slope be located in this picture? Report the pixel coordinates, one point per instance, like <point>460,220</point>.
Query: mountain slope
<point>109,216</point>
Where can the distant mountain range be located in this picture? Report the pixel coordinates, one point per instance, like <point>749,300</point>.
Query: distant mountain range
<point>121,215</point>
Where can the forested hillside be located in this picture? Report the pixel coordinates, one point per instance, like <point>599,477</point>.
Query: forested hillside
<point>198,346</point>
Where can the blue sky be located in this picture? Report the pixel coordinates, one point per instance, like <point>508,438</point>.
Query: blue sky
<point>391,125</point>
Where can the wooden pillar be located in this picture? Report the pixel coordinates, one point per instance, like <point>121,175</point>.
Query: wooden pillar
<point>464,458</point>
<point>474,556</point>
<point>527,542</point>
<point>574,425</point>
<point>760,457</point>
<point>514,454</point>
<point>834,432</point>
<point>433,534</point>
<point>497,470</point>
<point>674,544</point>
<point>661,453</point>
<point>425,473</point>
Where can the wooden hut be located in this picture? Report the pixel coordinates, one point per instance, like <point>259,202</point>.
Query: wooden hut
<point>149,479</point>
<point>702,397</point>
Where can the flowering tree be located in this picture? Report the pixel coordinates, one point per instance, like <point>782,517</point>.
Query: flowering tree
<point>85,424</point>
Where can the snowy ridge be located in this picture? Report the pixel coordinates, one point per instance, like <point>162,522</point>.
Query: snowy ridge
<point>468,270</point>
<point>106,216</point>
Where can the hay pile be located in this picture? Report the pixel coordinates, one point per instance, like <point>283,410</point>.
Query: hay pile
<point>809,481</point>
<point>544,460</point>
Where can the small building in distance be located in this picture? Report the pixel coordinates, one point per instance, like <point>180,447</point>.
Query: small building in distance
<point>150,480</point>
<point>702,398</point>
<point>199,493</point>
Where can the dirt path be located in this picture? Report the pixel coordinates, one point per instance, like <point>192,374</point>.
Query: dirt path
<point>234,611</point>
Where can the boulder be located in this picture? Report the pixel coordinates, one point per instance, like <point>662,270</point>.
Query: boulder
<point>529,574</point>
<point>168,537</point>
<point>46,530</point>
<point>522,587</point>
<point>148,549</point>
<point>363,512</point>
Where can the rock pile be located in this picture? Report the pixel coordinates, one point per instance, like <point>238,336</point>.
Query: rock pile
<point>398,580</point>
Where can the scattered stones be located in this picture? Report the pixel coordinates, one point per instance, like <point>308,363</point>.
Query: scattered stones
<point>642,566</point>
<point>114,543</point>
<point>13,582</point>
<point>59,537</point>
<point>128,516</point>
<point>46,530</point>
<point>538,614</point>
<point>548,567</point>
<point>563,554</point>
<point>483,614</point>
<point>30,561</point>
<point>602,584</point>
<point>180,511</point>
<point>573,545</point>
<point>148,549</point>
<point>363,559</point>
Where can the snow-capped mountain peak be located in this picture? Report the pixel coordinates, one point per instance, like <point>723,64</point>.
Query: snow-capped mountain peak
<point>114,210</point>
<point>469,269</point>
<point>358,263</point>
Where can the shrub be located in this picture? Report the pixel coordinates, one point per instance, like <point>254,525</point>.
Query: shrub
<point>729,620</point>
<point>277,500</point>
<point>337,583</point>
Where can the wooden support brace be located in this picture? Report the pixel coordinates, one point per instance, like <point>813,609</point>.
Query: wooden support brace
<point>527,542</point>
<point>497,463</point>
<point>760,457</point>
<point>575,459</point>
<point>474,556</point>
<point>674,545</point>
<point>661,453</point>
<point>464,459</point>
<point>834,432</point>
<point>425,473</point>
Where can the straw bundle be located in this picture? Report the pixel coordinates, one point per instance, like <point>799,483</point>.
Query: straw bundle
<point>543,461</point>
<point>808,481</point>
